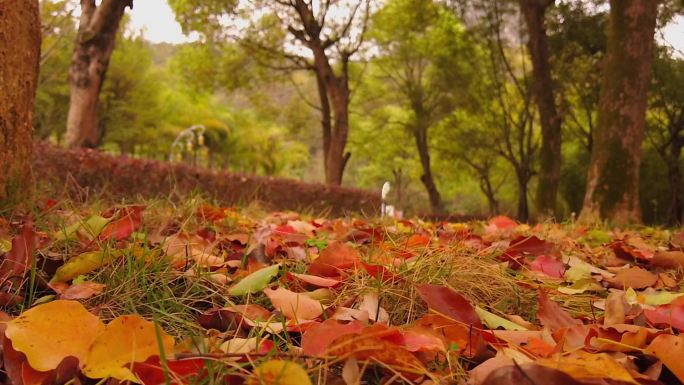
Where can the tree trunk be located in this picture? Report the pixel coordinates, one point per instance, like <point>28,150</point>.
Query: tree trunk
<point>489,192</point>
<point>335,101</point>
<point>550,153</point>
<point>420,135</point>
<point>336,157</point>
<point>93,49</point>
<point>19,57</point>
<point>613,179</point>
<point>523,208</point>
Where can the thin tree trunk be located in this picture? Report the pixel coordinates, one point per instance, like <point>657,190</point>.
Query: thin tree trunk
<point>19,57</point>
<point>97,32</point>
<point>488,190</point>
<point>613,179</point>
<point>523,208</point>
<point>420,135</point>
<point>550,153</point>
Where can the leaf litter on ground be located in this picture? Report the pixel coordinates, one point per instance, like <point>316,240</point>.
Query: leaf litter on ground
<point>201,294</point>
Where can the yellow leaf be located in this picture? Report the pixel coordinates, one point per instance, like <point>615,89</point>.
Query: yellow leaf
<point>582,365</point>
<point>127,339</point>
<point>48,333</point>
<point>279,372</point>
<point>84,264</point>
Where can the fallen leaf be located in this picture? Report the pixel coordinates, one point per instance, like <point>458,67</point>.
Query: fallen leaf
<point>634,277</point>
<point>83,290</point>
<point>315,280</point>
<point>334,259</point>
<point>364,348</point>
<point>294,306</point>
<point>493,321</point>
<point>84,263</point>
<point>670,350</point>
<point>180,372</point>
<point>553,316</point>
<point>616,308</point>
<point>549,266</point>
<point>371,304</point>
<point>449,303</point>
<point>255,282</point>
<point>17,261</point>
<point>671,314</point>
<point>668,259</point>
<point>315,341</point>
<point>528,374</point>
<point>48,333</point>
<point>279,372</point>
<point>126,340</point>
<point>582,365</point>
<point>122,228</point>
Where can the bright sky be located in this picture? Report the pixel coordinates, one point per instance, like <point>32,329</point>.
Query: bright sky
<point>157,20</point>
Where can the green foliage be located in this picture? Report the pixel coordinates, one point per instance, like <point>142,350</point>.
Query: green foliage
<point>424,68</point>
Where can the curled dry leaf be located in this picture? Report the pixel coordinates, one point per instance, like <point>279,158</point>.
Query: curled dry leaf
<point>83,290</point>
<point>17,261</point>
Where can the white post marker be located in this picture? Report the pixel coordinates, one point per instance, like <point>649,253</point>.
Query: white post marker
<point>383,194</point>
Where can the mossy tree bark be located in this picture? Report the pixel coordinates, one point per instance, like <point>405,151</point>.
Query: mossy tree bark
<point>97,32</point>
<point>19,58</point>
<point>549,119</point>
<point>613,181</point>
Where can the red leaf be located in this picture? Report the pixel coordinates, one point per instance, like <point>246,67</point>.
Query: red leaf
<point>529,245</point>
<point>502,223</point>
<point>549,266</point>
<point>151,372</point>
<point>316,339</point>
<point>553,316</point>
<point>334,259</point>
<point>449,303</point>
<point>314,280</point>
<point>381,273</point>
<point>670,315</point>
<point>18,260</point>
<point>123,227</point>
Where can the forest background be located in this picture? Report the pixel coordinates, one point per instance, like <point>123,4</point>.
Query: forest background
<point>440,99</point>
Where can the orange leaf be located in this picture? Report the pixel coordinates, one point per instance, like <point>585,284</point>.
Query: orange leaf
<point>295,306</point>
<point>634,277</point>
<point>316,340</point>
<point>364,347</point>
<point>127,339</point>
<point>670,350</point>
<point>334,259</point>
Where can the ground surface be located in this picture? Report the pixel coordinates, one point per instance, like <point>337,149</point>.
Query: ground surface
<point>199,294</point>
